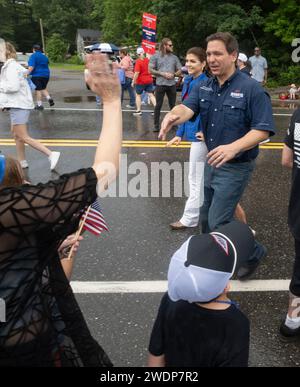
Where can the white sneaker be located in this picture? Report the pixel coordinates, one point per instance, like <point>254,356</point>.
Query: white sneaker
<point>130,107</point>
<point>138,113</point>
<point>53,158</point>
<point>24,164</point>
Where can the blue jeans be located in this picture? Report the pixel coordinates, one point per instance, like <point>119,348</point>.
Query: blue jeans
<point>223,189</point>
<point>127,86</point>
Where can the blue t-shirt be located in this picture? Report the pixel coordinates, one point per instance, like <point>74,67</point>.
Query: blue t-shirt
<point>229,112</point>
<point>40,63</point>
<point>189,129</point>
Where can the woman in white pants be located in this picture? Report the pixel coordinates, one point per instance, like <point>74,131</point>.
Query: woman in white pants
<point>191,131</point>
<point>15,96</point>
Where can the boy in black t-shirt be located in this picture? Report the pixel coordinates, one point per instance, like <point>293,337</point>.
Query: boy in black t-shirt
<point>290,328</point>
<point>197,325</point>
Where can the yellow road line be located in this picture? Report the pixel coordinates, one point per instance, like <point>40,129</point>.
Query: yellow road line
<point>125,143</point>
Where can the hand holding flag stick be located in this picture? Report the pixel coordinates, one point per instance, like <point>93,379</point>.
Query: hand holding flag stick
<point>77,235</point>
<point>92,220</point>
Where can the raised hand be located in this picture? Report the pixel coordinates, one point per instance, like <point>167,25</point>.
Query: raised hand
<point>102,77</point>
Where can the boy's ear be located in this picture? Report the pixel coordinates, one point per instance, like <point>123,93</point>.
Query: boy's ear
<point>227,289</point>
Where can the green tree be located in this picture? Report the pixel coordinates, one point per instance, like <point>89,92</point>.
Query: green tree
<point>65,16</point>
<point>17,24</point>
<point>122,22</point>
<point>284,20</point>
<point>188,23</point>
<point>6,25</point>
<point>96,15</point>
<point>56,48</point>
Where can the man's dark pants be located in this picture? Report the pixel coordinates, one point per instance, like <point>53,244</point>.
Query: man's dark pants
<point>160,92</point>
<point>223,189</point>
<point>295,282</point>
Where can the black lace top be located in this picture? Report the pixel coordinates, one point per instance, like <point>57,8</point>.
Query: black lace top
<point>44,325</point>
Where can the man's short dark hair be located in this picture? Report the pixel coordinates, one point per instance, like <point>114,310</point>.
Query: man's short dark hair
<point>37,47</point>
<point>229,40</point>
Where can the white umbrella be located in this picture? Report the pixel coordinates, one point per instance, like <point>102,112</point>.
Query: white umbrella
<point>107,48</point>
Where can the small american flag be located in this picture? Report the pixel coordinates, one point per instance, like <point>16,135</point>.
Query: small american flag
<point>94,220</point>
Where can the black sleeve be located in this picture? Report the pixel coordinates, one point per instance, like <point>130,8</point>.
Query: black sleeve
<point>289,138</point>
<point>156,346</point>
<point>53,203</point>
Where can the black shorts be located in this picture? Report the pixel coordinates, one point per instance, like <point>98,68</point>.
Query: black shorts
<point>40,83</point>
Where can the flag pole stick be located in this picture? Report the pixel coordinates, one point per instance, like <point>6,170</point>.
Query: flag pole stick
<point>82,222</point>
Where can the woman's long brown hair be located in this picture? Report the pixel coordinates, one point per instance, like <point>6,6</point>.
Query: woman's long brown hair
<point>14,176</point>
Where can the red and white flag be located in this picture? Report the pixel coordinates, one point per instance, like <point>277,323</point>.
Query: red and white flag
<point>94,220</point>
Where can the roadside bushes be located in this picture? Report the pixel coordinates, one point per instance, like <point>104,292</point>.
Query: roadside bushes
<point>56,48</point>
<point>291,75</point>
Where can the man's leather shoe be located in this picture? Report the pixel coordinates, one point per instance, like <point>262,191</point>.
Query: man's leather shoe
<point>288,335</point>
<point>177,226</point>
<point>245,272</point>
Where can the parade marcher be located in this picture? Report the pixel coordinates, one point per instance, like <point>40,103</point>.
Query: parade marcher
<point>44,325</point>
<point>164,65</point>
<point>16,97</point>
<point>195,63</point>
<point>244,64</point>
<point>38,69</point>
<point>142,80</point>
<point>236,115</point>
<point>127,65</point>
<point>197,324</point>
<point>290,328</point>
<point>259,65</point>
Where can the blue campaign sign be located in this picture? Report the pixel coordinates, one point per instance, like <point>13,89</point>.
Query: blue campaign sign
<point>149,35</point>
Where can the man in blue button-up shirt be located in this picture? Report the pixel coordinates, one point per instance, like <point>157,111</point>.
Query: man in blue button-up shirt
<point>236,115</point>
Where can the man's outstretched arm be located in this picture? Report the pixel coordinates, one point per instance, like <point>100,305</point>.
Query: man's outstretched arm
<point>176,116</point>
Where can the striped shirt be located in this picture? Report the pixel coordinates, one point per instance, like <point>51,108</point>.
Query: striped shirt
<point>292,140</point>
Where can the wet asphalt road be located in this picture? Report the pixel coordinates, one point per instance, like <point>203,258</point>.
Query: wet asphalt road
<point>140,244</point>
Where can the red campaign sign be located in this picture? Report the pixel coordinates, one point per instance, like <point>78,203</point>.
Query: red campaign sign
<point>149,21</point>
<point>149,47</point>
